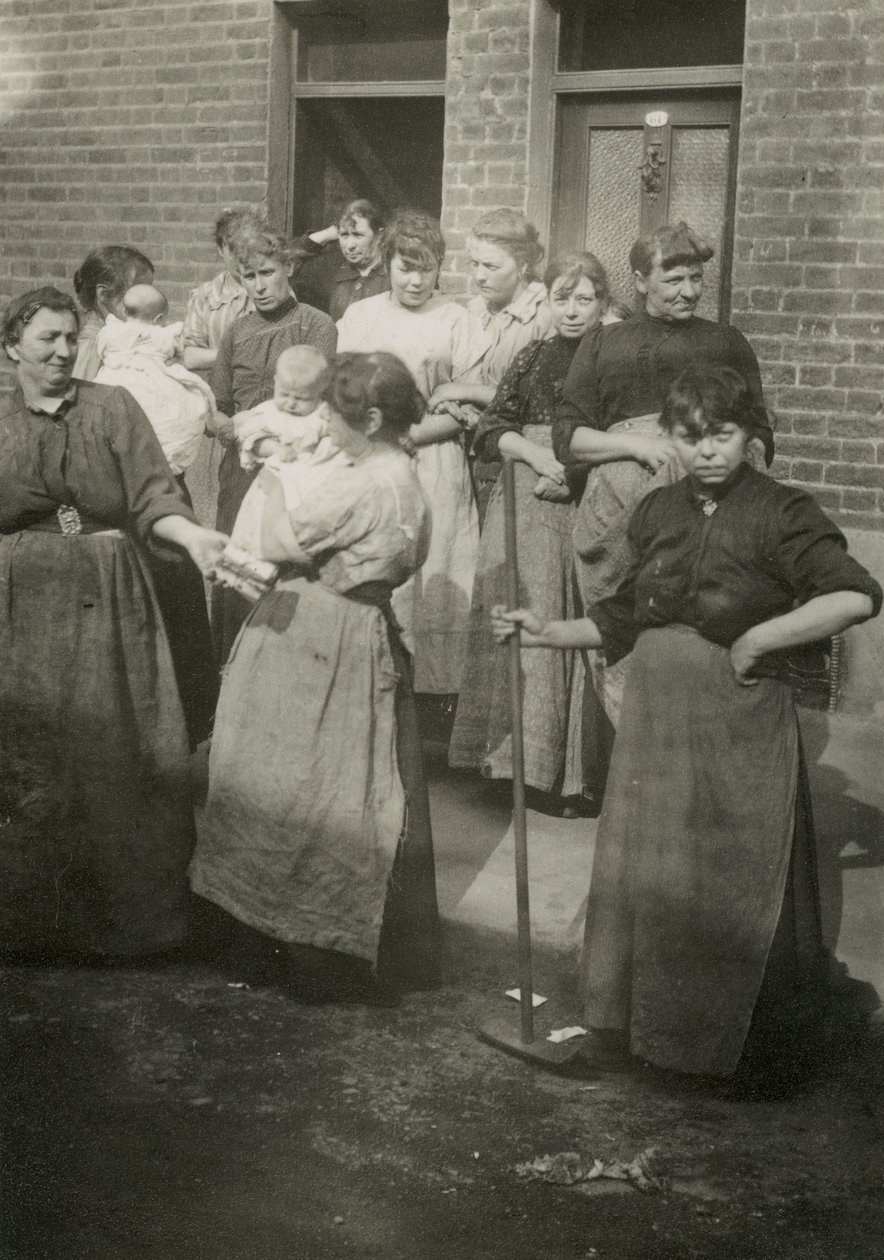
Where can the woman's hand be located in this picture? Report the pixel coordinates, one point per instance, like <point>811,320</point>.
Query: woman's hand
<point>449,407</point>
<point>745,655</point>
<point>205,548</point>
<point>449,392</point>
<point>505,623</point>
<point>650,451</point>
<point>222,428</point>
<point>552,491</point>
<point>545,464</point>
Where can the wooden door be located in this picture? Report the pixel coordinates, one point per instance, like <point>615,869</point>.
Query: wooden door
<point>627,164</point>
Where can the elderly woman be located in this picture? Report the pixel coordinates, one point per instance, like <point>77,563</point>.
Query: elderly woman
<point>99,284</point>
<point>703,943</point>
<point>608,422</point>
<point>439,342</point>
<point>316,834</point>
<point>97,824</point>
<point>518,424</point>
<point>243,375</point>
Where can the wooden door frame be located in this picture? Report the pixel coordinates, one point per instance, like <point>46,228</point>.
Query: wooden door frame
<point>286,91</point>
<point>697,109</point>
<point>548,87</point>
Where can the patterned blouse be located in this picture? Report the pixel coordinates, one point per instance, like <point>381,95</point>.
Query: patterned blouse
<point>529,392</point>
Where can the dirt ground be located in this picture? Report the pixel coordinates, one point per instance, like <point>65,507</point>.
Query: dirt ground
<point>170,1114</point>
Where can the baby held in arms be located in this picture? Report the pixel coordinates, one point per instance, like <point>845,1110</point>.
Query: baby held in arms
<point>287,438</point>
<point>140,353</point>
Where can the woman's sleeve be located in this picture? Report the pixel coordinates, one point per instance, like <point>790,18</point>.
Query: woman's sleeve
<point>812,557</point>
<point>221,374</point>
<point>150,489</point>
<point>579,405</point>
<point>504,412</point>
<point>321,332</point>
<point>195,331</point>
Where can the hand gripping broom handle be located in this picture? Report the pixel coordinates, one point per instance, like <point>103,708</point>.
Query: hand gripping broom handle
<point>523,912</point>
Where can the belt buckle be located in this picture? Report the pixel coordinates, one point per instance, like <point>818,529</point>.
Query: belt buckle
<point>69,520</point>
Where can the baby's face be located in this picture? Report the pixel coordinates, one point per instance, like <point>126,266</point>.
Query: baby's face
<point>297,395</point>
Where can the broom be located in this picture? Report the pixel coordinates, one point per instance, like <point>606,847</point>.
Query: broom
<point>502,1031</point>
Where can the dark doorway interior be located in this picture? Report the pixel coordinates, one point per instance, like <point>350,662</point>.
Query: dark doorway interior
<point>388,149</point>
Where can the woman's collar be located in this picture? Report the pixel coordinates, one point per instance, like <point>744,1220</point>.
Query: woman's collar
<point>279,312</point>
<point>522,308</point>
<point>705,495</point>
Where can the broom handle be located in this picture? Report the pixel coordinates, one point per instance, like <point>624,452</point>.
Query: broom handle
<point>523,912</point>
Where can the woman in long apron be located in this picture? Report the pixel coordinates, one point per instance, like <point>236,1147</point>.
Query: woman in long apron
<point>439,342</point>
<point>703,944</point>
<point>518,424</point>
<point>316,834</point>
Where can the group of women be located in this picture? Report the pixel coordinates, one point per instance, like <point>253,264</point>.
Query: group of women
<point>315,856</point>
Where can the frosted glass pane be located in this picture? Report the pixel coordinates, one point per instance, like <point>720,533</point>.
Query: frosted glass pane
<point>613,202</point>
<point>698,194</point>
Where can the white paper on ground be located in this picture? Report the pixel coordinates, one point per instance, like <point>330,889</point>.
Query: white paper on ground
<point>565,1034</point>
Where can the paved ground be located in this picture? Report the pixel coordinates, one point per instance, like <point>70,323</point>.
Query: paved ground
<point>175,1114</point>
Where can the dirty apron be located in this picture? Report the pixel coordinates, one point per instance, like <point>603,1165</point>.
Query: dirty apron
<point>306,807</point>
<point>699,860</point>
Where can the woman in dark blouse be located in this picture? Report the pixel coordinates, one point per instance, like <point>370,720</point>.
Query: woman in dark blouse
<point>517,424</point>
<point>95,811</point>
<point>703,948</point>
<point>243,377</point>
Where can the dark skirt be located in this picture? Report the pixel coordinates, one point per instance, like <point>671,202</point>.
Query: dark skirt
<point>96,826</point>
<point>228,608</point>
<point>181,594</point>
<point>703,909</point>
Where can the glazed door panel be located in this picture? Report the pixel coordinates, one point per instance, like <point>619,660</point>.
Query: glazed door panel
<point>629,164</point>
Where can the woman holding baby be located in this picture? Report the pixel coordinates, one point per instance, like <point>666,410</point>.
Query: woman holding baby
<point>316,836</point>
<point>243,375</point>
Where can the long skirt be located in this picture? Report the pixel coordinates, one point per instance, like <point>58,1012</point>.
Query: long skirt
<point>96,826</point>
<point>317,815</point>
<point>433,607</point>
<point>181,594</point>
<point>703,890</point>
<point>552,682</point>
<point>228,608</point>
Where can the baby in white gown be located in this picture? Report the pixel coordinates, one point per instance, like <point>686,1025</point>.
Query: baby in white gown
<point>287,437</point>
<point>140,354</point>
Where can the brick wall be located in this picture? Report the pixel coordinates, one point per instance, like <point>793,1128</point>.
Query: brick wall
<point>129,122</point>
<point>809,253</point>
<point>486,119</point>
